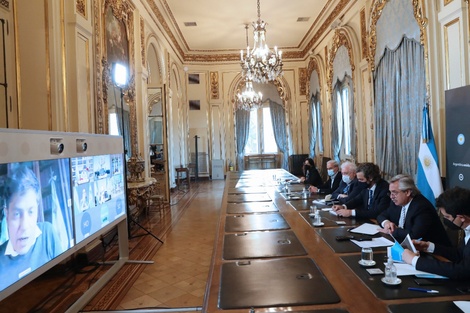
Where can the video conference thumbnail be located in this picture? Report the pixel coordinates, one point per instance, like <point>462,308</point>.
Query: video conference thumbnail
<point>36,216</point>
<point>98,192</point>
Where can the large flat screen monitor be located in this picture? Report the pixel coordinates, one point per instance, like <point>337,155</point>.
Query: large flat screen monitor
<point>58,193</point>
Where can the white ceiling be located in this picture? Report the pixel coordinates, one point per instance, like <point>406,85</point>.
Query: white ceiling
<point>221,23</point>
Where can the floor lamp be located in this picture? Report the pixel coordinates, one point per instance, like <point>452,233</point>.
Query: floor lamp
<point>120,80</point>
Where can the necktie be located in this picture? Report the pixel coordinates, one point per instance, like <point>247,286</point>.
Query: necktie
<point>369,202</point>
<point>401,222</point>
<point>346,189</point>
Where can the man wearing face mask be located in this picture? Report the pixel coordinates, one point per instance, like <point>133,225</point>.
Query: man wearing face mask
<point>349,186</point>
<point>372,200</point>
<point>334,178</point>
<point>454,205</point>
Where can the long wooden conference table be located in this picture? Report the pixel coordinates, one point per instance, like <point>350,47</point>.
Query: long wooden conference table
<point>269,257</point>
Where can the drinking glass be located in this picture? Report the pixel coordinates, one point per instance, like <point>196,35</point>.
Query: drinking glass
<point>367,256</point>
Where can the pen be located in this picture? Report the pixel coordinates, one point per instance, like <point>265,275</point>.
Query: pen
<point>423,290</point>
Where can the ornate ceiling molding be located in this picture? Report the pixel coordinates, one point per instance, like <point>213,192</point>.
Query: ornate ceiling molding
<point>200,56</point>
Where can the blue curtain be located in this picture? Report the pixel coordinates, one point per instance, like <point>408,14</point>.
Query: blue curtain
<point>400,91</point>
<point>278,118</point>
<point>319,143</point>
<point>335,134</point>
<point>352,130</point>
<point>242,119</point>
<point>312,125</point>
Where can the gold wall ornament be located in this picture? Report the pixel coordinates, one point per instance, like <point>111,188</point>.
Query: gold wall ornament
<point>303,82</point>
<point>363,33</point>
<point>446,2</point>
<point>136,168</point>
<point>142,41</point>
<point>5,3</point>
<point>340,38</point>
<point>122,11</point>
<point>214,77</point>
<point>313,66</point>
<point>81,8</point>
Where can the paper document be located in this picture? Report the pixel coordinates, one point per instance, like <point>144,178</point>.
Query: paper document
<point>397,249</point>
<point>404,269</point>
<point>374,243</point>
<point>327,209</point>
<point>366,229</point>
<point>463,305</point>
<point>322,202</point>
<point>333,213</point>
<point>408,244</point>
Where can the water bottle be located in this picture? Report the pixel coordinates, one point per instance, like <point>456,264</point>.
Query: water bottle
<point>390,272</point>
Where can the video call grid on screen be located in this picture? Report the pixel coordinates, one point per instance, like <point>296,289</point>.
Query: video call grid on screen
<point>98,192</point>
<point>56,232</point>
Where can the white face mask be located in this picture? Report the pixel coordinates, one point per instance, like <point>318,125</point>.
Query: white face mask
<point>346,179</point>
<point>331,172</point>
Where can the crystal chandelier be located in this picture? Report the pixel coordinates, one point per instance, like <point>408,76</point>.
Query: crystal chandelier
<point>249,99</point>
<point>261,64</point>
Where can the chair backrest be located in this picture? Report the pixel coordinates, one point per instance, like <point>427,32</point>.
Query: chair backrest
<point>295,164</point>
<point>323,171</point>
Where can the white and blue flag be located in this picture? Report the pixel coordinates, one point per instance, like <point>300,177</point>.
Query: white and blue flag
<point>428,179</point>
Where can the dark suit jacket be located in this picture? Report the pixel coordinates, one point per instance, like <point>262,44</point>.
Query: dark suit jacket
<point>312,177</point>
<point>327,188</point>
<point>421,221</point>
<point>355,188</point>
<point>380,201</point>
<point>458,268</point>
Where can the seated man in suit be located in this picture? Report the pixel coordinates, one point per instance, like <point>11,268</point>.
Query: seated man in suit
<point>410,213</point>
<point>349,186</point>
<point>372,200</point>
<point>334,178</point>
<point>454,206</point>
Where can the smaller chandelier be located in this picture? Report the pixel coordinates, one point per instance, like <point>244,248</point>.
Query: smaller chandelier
<point>249,99</point>
<point>261,65</point>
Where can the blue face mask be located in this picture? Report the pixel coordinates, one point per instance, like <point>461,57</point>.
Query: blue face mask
<point>346,179</point>
<point>331,172</point>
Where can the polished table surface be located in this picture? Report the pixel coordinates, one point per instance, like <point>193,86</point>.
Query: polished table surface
<point>233,291</point>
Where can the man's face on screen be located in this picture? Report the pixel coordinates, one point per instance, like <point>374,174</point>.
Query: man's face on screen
<point>22,217</point>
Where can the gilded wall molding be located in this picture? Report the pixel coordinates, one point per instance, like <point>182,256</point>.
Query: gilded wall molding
<point>214,79</point>
<point>375,13</point>
<point>142,42</point>
<point>122,11</point>
<point>363,33</point>
<point>81,8</point>
<point>340,38</point>
<point>446,2</point>
<point>303,81</point>
<point>313,66</point>
<point>5,3</point>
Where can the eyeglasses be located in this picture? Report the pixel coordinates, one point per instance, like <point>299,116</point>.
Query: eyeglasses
<point>394,193</point>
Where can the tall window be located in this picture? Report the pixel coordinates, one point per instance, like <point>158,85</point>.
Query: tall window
<point>319,134</point>
<point>261,135</point>
<point>344,120</point>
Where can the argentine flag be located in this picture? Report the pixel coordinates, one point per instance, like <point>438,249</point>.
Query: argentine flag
<point>428,176</point>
